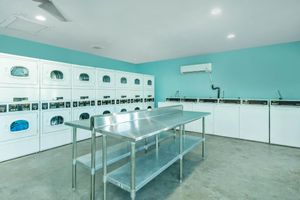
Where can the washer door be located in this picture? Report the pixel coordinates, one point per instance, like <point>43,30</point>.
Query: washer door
<point>14,126</point>
<point>106,112</point>
<point>54,120</point>
<point>84,116</point>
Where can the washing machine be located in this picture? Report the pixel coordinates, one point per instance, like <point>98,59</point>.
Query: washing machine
<point>17,71</point>
<point>56,109</point>
<point>148,99</point>
<point>105,101</point>
<point>137,103</point>
<point>124,100</point>
<point>84,102</point>
<point>19,117</point>
<point>55,75</point>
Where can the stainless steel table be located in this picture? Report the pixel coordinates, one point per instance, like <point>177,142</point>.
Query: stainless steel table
<point>138,126</point>
<point>93,161</point>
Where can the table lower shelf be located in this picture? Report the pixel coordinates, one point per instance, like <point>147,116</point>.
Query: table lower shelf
<point>119,151</point>
<point>153,163</point>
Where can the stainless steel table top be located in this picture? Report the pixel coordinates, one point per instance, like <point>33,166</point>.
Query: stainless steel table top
<point>82,124</point>
<point>139,129</point>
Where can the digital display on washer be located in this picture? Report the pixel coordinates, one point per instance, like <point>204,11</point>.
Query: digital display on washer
<point>84,103</point>
<point>3,108</point>
<point>55,105</point>
<point>34,106</point>
<point>19,107</point>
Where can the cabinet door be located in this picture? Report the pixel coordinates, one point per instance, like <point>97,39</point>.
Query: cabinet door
<point>209,120</point>
<point>189,107</point>
<point>226,121</point>
<point>285,126</point>
<point>254,123</point>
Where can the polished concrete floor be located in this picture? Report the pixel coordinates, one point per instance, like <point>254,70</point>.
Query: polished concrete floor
<point>233,169</point>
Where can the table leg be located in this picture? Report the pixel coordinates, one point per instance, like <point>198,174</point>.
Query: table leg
<point>180,153</point>
<point>203,137</point>
<point>104,165</point>
<point>74,158</point>
<point>132,167</point>
<point>93,159</point>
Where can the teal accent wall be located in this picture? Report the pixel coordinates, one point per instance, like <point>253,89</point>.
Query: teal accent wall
<point>28,48</point>
<point>246,73</point>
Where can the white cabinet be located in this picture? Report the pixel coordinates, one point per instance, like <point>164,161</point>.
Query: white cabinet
<point>189,106</point>
<point>227,119</point>
<point>254,122</point>
<point>285,125</point>
<point>209,120</point>
<point>18,71</point>
<point>84,77</point>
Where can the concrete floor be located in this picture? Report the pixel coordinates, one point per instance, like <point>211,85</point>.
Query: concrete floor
<point>233,169</point>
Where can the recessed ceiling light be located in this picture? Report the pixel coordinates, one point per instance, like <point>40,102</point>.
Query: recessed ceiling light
<point>231,36</point>
<point>96,47</point>
<point>40,17</point>
<point>216,11</point>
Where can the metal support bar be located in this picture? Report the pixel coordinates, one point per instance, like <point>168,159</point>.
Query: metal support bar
<point>132,167</point>
<point>104,165</point>
<point>156,142</point>
<point>180,153</point>
<point>93,163</point>
<point>74,158</point>
<point>203,137</point>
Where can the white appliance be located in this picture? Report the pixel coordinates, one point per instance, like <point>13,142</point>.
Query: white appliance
<point>137,81</point>
<point>227,118</point>
<point>254,120</point>
<point>18,71</point>
<point>123,100</point>
<point>84,77</point>
<point>84,102</point>
<point>55,75</point>
<point>106,79</point>
<point>56,109</point>
<point>149,82</point>
<point>148,99</point>
<point>137,96</point>
<point>123,80</point>
<point>105,101</point>
<point>19,117</point>
<point>188,105</point>
<point>205,67</point>
<point>284,123</point>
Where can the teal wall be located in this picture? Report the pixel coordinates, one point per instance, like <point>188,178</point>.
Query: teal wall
<point>22,47</point>
<point>246,73</point>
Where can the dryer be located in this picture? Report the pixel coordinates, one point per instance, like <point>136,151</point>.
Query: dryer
<point>83,108</point>
<point>55,75</point>
<point>84,77</point>
<point>148,99</point>
<point>105,101</point>
<point>148,82</point>
<point>19,116</point>
<point>137,96</point>
<point>17,71</point>
<point>106,79</point>
<point>123,102</point>
<point>56,109</point>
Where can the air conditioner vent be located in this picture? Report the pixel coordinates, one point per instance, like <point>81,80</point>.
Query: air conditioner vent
<point>22,24</point>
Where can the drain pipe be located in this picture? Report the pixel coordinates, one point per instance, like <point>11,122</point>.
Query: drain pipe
<point>213,86</point>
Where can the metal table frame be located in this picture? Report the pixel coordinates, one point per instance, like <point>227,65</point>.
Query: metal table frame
<point>133,158</point>
<point>90,125</point>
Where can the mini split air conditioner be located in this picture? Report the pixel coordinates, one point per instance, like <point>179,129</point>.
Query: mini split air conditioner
<point>206,67</point>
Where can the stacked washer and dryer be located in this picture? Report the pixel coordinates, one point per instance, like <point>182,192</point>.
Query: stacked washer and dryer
<point>19,107</point>
<point>38,96</point>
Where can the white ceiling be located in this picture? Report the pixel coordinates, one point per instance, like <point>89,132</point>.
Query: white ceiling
<point>140,31</point>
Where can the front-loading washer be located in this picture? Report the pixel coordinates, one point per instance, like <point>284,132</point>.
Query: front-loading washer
<point>105,101</point>
<point>84,101</point>
<point>56,109</point>
<point>19,116</point>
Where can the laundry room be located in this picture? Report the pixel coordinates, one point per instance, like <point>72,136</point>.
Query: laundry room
<point>149,99</point>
